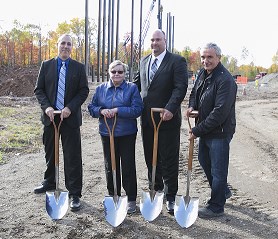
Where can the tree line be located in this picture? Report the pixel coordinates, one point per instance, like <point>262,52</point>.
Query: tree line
<point>26,45</point>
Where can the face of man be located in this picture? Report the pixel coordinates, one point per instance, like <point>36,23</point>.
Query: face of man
<point>158,43</point>
<point>209,59</point>
<point>65,47</point>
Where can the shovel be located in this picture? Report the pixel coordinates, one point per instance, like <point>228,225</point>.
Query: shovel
<point>186,208</point>
<point>116,206</point>
<point>57,202</point>
<point>151,201</point>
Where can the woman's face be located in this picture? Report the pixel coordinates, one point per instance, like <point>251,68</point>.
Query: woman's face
<point>117,74</point>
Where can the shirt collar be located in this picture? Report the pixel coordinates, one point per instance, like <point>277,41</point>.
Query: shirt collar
<point>159,57</point>
<point>110,84</point>
<point>60,61</point>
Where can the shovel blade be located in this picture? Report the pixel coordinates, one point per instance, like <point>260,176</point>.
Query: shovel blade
<point>186,214</point>
<point>150,209</point>
<point>115,212</point>
<point>57,204</point>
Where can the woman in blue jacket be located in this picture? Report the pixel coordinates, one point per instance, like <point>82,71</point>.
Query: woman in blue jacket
<point>121,98</point>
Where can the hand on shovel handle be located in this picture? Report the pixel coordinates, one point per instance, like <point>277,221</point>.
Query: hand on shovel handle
<point>193,114</point>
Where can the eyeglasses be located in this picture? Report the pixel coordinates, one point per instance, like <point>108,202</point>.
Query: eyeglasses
<point>114,72</point>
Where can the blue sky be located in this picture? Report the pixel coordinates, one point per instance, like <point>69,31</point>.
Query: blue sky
<point>233,25</point>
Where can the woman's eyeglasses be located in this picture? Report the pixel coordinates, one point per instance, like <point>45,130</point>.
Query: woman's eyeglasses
<point>114,72</point>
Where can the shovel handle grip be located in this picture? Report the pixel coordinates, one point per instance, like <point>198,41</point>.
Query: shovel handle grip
<point>57,112</point>
<point>157,110</point>
<point>193,113</point>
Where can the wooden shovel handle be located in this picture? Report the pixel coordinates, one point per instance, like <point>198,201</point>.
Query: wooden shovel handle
<point>191,148</point>
<point>155,138</point>
<point>112,144</point>
<point>56,138</point>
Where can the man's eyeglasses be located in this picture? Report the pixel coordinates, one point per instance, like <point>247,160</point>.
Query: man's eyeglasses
<point>114,72</point>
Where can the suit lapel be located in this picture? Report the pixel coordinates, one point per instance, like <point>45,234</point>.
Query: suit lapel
<point>54,69</point>
<point>146,64</point>
<point>69,73</point>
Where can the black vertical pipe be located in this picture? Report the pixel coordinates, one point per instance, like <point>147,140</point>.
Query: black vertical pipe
<point>173,32</point>
<point>103,40</point>
<point>99,40</point>
<point>86,38</point>
<point>108,37</point>
<point>140,33</point>
<point>117,31</point>
<point>167,30</point>
<point>159,15</point>
<point>132,41</point>
<point>112,32</point>
<point>169,40</point>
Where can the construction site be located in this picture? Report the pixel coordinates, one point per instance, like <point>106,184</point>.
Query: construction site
<point>251,212</point>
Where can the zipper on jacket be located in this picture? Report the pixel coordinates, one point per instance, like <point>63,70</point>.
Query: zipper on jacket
<point>115,90</point>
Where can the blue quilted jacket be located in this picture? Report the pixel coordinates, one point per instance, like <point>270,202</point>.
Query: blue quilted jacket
<point>126,98</point>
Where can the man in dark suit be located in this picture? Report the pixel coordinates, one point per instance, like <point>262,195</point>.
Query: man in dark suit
<point>73,96</point>
<point>162,81</point>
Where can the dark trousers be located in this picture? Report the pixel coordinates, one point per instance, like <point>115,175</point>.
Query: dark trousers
<point>71,145</point>
<point>214,159</point>
<point>166,177</point>
<point>125,165</point>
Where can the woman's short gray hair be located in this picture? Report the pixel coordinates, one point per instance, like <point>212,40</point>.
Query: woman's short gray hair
<point>212,45</point>
<point>117,63</point>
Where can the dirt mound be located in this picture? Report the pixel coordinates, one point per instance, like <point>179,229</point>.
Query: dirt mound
<point>18,81</point>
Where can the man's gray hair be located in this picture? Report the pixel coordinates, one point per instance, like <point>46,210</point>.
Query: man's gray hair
<point>212,45</point>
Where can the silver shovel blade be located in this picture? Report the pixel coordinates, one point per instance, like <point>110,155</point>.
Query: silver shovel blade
<point>115,212</point>
<point>186,214</point>
<point>150,209</point>
<point>57,204</point>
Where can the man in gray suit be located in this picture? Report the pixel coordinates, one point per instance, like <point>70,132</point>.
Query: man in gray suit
<point>75,93</point>
<point>162,81</point>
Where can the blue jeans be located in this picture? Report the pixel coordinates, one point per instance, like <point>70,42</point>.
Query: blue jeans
<point>214,159</point>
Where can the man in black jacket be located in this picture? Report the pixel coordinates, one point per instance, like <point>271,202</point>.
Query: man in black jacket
<point>73,96</point>
<point>214,96</point>
<point>165,87</point>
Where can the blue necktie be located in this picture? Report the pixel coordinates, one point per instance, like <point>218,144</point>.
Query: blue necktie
<point>61,87</point>
<point>153,69</point>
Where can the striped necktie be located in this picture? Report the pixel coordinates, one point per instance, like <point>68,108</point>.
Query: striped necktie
<point>153,69</point>
<point>61,87</point>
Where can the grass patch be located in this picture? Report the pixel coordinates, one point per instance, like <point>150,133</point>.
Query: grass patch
<point>20,130</point>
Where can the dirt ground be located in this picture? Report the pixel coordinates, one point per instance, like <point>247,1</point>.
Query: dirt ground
<point>252,211</point>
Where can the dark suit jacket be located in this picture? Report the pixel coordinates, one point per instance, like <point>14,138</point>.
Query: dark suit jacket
<point>167,89</point>
<point>76,90</point>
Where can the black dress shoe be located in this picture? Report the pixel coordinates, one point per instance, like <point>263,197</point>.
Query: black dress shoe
<point>170,206</point>
<point>43,188</point>
<point>75,203</point>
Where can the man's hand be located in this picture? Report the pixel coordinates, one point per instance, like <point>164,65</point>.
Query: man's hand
<point>191,135</point>
<point>50,113</point>
<point>190,112</point>
<point>166,115</point>
<point>65,113</point>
